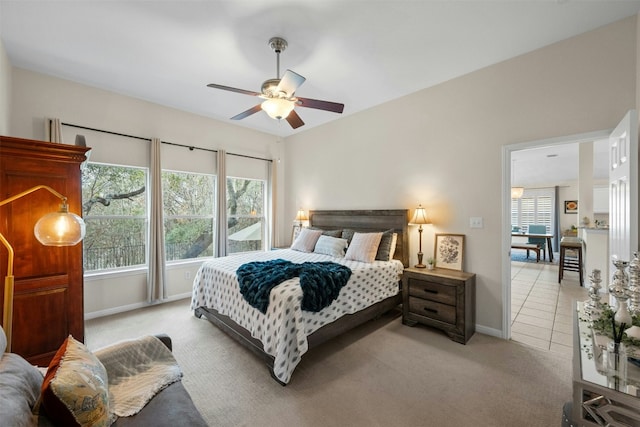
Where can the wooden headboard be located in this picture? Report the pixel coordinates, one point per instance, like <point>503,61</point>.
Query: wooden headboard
<point>368,221</point>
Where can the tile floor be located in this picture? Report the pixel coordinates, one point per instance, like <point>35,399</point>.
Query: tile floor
<point>542,309</point>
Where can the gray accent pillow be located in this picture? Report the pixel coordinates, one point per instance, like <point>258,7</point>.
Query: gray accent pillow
<point>19,389</point>
<point>348,234</point>
<point>384,248</point>
<point>330,233</point>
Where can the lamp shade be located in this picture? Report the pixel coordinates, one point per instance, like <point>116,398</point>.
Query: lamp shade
<point>517,192</point>
<point>419,216</point>
<point>277,108</point>
<point>60,228</point>
<point>301,216</point>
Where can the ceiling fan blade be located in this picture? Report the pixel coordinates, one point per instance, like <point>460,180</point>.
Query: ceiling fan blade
<point>247,113</point>
<point>233,89</point>
<point>290,82</point>
<point>321,105</point>
<point>294,120</point>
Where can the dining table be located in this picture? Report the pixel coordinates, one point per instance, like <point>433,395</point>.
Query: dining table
<point>548,238</point>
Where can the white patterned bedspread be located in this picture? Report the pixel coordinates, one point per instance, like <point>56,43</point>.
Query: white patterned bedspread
<point>284,328</point>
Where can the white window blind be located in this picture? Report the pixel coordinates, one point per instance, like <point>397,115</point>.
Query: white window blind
<point>534,207</point>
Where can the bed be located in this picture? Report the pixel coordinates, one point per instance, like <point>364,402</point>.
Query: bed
<point>284,333</point>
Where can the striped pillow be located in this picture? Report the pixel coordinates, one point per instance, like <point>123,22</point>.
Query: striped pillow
<point>306,240</point>
<point>331,246</point>
<point>363,247</point>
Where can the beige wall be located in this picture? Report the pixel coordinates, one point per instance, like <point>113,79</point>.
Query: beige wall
<point>37,96</point>
<point>5,91</point>
<point>442,146</point>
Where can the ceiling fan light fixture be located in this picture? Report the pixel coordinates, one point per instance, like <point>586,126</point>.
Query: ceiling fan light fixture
<point>278,108</point>
<point>279,94</point>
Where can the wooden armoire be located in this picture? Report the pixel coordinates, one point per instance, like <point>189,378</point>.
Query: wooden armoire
<point>48,296</point>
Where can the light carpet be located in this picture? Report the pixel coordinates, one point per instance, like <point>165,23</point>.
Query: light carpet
<point>380,374</point>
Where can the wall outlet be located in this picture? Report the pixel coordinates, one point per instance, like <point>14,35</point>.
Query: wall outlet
<point>476,222</point>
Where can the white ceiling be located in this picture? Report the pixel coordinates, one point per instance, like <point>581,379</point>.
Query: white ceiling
<point>360,53</point>
<point>356,52</point>
<point>557,165</point>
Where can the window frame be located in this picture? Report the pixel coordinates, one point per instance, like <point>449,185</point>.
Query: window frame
<point>145,218</point>
<point>262,216</point>
<point>212,217</point>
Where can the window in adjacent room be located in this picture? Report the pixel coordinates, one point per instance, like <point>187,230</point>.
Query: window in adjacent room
<point>189,214</point>
<point>114,205</point>
<point>534,207</point>
<point>246,203</point>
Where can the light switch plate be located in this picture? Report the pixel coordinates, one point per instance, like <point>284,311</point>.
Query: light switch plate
<point>476,222</point>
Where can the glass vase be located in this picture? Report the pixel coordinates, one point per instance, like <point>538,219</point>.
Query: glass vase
<point>615,363</point>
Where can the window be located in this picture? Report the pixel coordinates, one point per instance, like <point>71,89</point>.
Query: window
<point>534,207</point>
<point>246,203</point>
<point>189,220</point>
<point>114,205</point>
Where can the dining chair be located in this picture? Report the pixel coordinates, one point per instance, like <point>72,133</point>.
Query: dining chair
<point>540,242</point>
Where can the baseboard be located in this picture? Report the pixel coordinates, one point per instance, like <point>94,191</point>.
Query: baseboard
<point>489,331</point>
<point>108,312</point>
<point>131,307</point>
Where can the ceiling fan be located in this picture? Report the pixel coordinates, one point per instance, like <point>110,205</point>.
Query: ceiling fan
<point>278,94</point>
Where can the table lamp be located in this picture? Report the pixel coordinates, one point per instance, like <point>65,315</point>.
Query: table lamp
<point>60,228</point>
<point>419,218</point>
<point>301,216</point>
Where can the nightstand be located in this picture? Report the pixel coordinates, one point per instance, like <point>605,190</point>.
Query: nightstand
<point>441,298</point>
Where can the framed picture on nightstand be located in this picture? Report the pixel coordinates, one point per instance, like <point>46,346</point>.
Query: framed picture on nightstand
<point>449,251</point>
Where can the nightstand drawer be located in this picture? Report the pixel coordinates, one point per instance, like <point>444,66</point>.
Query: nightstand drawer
<point>432,310</point>
<point>432,291</point>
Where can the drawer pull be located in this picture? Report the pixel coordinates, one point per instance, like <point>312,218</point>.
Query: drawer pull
<point>431,310</point>
<point>431,291</point>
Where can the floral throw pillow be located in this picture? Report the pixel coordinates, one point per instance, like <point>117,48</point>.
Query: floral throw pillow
<point>75,391</point>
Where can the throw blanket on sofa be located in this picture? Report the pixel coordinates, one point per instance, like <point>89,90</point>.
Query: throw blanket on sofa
<point>137,370</point>
<point>320,281</point>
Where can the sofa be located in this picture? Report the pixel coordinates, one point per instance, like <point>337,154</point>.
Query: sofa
<point>28,395</point>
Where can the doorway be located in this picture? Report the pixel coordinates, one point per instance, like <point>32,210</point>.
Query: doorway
<point>538,311</point>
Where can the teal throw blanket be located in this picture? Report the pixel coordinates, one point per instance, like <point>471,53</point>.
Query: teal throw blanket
<point>320,281</point>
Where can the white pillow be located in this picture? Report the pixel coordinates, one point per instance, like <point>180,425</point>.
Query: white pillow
<point>306,240</point>
<point>363,247</point>
<point>333,246</point>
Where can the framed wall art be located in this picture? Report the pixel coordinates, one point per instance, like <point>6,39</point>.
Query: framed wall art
<point>571,206</point>
<point>449,251</point>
